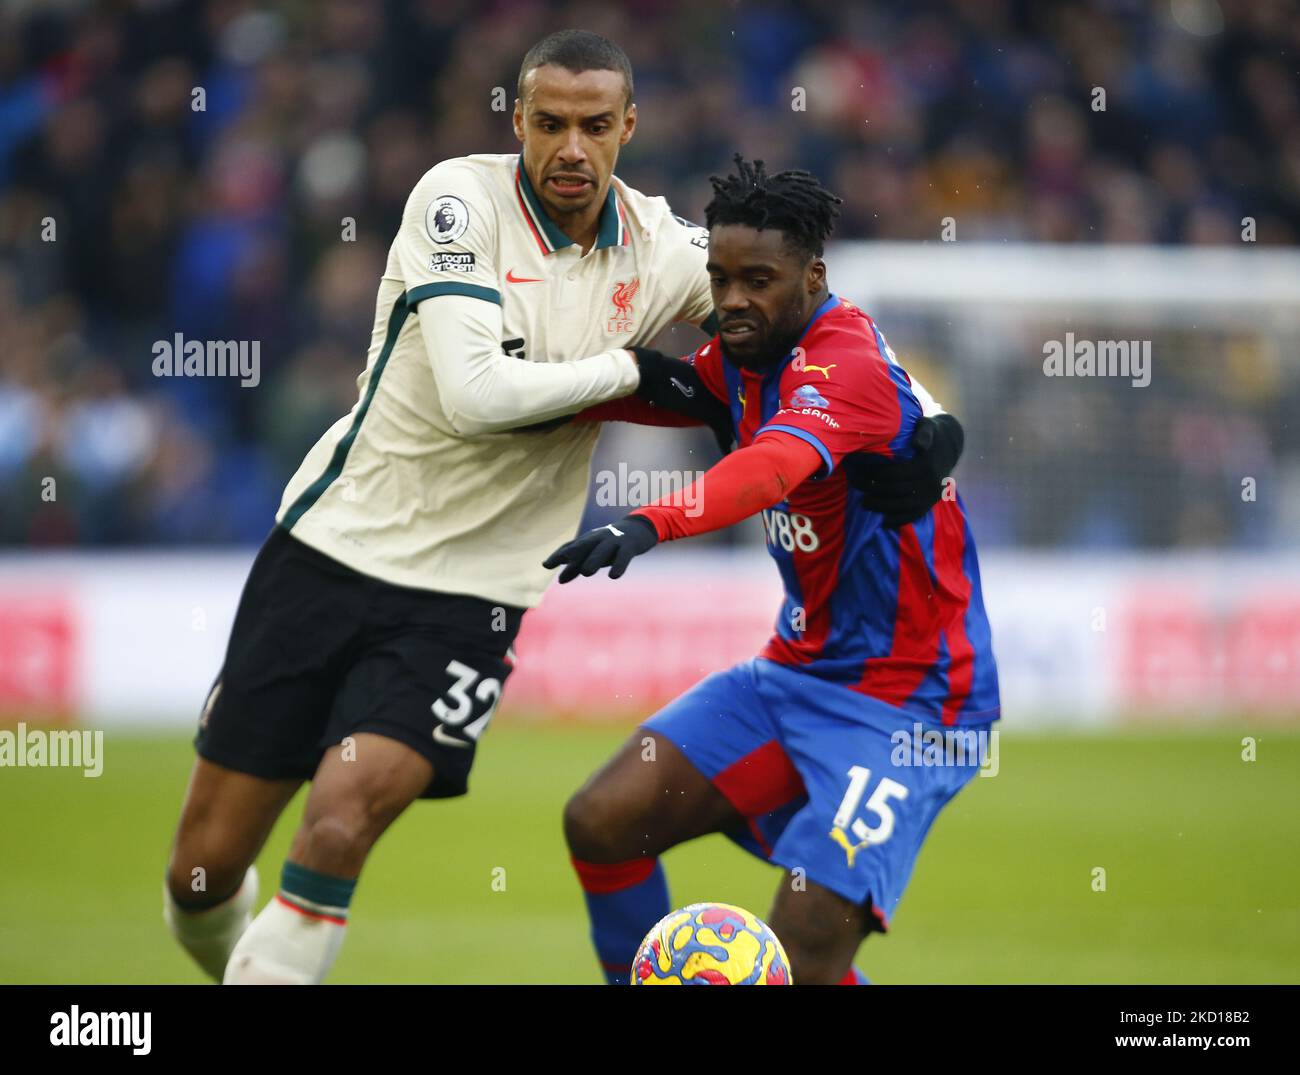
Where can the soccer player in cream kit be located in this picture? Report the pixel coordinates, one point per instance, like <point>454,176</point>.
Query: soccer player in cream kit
<point>373,636</point>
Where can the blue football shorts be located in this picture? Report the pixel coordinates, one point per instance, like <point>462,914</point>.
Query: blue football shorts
<point>829,781</point>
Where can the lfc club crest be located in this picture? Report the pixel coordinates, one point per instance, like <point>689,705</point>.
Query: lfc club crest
<point>622,300</point>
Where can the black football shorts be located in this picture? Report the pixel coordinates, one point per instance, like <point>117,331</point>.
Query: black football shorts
<point>319,652</point>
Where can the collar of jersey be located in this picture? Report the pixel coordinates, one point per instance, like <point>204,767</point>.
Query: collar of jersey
<point>831,302</point>
<point>613,223</point>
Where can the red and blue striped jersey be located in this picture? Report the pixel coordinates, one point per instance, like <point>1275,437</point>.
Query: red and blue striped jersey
<point>895,614</point>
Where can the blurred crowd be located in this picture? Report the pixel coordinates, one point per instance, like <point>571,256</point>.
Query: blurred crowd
<point>192,167</point>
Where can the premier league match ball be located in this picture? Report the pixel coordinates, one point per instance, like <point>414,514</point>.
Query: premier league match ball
<point>711,944</point>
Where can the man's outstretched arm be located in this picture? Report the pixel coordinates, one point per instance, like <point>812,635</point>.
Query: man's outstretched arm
<point>484,390</point>
<point>671,392</point>
<point>902,490</point>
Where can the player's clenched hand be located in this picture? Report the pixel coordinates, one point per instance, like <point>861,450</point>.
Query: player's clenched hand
<point>611,546</point>
<point>676,385</point>
<point>903,490</point>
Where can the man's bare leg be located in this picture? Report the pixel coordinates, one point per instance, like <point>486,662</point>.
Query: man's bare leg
<point>647,798</point>
<point>820,931</point>
<point>211,883</point>
<point>354,797</point>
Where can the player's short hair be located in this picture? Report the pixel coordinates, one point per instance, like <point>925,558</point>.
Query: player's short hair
<point>577,51</point>
<point>793,202</point>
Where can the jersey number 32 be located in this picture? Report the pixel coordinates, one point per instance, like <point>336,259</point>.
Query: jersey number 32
<point>468,704</point>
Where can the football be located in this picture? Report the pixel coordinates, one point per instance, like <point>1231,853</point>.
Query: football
<point>711,944</point>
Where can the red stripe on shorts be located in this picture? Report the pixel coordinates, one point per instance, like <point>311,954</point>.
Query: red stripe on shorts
<point>760,781</point>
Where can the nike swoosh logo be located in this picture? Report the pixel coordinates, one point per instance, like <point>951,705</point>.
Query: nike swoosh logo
<point>440,736</point>
<point>613,529</point>
<point>511,278</point>
<point>685,389</point>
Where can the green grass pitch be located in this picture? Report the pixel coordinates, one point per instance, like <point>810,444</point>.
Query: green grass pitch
<point>1199,847</point>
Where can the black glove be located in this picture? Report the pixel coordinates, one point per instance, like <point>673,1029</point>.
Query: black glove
<point>675,385</point>
<point>903,490</point>
<point>611,546</point>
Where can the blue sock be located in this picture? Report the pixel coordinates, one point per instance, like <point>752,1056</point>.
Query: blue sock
<point>624,900</point>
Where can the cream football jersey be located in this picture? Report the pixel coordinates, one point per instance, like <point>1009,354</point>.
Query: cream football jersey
<point>489,320</point>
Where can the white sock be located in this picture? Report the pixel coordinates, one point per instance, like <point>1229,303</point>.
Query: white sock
<point>210,935</point>
<point>289,943</point>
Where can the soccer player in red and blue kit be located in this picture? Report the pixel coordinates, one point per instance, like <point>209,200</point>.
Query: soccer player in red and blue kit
<point>796,754</point>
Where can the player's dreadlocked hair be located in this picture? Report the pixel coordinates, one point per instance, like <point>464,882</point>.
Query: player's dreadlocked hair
<point>792,202</point>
